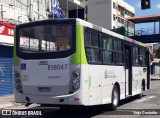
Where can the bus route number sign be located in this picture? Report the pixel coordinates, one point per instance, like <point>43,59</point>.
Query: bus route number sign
<point>57,67</point>
<point>62,29</point>
<point>62,42</point>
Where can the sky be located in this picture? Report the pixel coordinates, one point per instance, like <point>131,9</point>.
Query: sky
<point>155,9</point>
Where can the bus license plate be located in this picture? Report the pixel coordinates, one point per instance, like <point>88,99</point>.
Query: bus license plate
<point>44,89</point>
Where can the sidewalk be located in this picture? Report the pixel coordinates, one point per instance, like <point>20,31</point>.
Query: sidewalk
<point>8,101</point>
<point>155,77</point>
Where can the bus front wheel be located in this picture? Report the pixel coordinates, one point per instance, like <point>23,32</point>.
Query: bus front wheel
<point>115,98</point>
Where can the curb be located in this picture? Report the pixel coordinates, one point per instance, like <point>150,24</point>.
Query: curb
<point>155,78</point>
<point>8,105</point>
<point>8,101</point>
<point>3,106</point>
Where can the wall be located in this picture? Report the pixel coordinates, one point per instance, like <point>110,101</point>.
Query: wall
<point>99,12</point>
<point>19,11</point>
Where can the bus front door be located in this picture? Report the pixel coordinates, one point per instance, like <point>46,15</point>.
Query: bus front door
<point>128,70</point>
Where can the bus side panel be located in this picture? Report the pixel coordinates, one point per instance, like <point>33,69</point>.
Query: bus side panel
<point>119,73</point>
<point>85,83</point>
<point>110,76</point>
<point>137,78</point>
<point>94,72</point>
<point>143,76</point>
<point>108,81</point>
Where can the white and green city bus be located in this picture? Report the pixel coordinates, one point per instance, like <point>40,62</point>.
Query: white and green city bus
<point>69,62</point>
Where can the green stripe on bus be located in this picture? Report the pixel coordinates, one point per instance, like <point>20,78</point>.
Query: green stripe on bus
<point>132,78</point>
<point>89,81</point>
<point>79,57</point>
<point>16,59</point>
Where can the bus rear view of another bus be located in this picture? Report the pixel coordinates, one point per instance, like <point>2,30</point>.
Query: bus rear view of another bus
<point>44,69</point>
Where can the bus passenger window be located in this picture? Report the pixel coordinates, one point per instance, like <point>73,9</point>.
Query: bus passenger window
<point>92,47</point>
<point>88,54</point>
<point>87,38</point>
<point>142,57</point>
<point>107,49</point>
<point>118,52</point>
<point>136,60</point>
<point>93,55</point>
<point>107,57</point>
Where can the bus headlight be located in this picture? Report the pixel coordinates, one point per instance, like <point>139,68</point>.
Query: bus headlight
<point>75,81</point>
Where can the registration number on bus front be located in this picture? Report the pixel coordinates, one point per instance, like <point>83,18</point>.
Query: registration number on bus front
<point>57,67</point>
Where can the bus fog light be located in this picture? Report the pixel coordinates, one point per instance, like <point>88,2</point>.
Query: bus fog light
<point>19,88</point>
<point>76,74</point>
<point>75,87</point>
<point>18,81</point>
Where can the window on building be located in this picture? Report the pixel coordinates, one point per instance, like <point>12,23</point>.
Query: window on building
<point>114,17</point>
<point>122,12</point>
<point>119,19</point>
<point>122,21</point>
<point>132,25</point>
<point>114,5</point>
<point>126,12</point>
<point>119,8</point>
<point>125,23</point>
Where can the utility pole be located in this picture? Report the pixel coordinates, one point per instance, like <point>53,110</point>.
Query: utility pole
<point>29,7</point>
<point>38,10</point>
<point>2,12</point>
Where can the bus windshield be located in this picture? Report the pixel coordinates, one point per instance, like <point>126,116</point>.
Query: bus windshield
<point>45,38</point>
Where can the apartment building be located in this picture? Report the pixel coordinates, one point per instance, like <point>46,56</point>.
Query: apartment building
<point>111,14</point>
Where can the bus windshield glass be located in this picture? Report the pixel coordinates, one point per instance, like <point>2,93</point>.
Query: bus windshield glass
<point>46,38</point>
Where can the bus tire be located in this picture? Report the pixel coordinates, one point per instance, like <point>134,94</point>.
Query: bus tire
<point>115,98</point>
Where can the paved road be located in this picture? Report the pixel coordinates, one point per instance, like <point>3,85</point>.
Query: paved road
<point>150,100</point>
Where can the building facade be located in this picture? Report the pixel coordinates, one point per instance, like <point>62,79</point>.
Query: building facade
<point>20,11</point>
<point>111,14</point>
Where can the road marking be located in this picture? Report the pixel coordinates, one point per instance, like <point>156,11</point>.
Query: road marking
<point>141,100</point>
<point>151,97</point>
<point>144,99</point>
